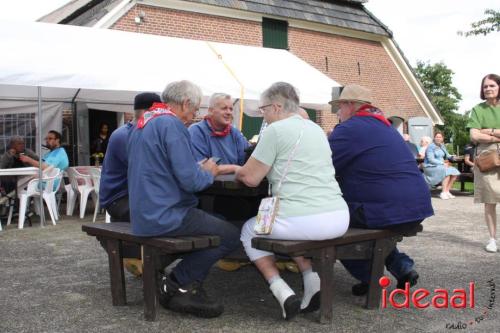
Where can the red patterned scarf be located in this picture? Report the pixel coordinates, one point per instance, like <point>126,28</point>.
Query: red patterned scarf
<point>224,132</point>
<point>368,110</point>
<point>156,110</point>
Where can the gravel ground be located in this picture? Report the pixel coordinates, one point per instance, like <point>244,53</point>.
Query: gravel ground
<point>55,279</point>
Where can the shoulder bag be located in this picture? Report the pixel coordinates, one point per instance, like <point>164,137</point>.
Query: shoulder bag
<point>269,206</point>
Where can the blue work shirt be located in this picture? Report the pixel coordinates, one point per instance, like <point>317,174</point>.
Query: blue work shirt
<point>162,176</point>
<point>58,159</point>
<point>113,184</point>
<point>378,173</point>
<point>230,148</point>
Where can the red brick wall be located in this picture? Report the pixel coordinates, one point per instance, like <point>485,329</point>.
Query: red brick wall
<point>376,70</point>
<point>174,23</point>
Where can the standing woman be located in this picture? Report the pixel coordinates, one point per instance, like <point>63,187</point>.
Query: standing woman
<point>437,169</point>
<point>100,144</point>
<point>484,125</point>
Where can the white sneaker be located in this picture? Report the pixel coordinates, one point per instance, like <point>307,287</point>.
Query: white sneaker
<point>450,196</point>
<point>444,196</point>
<point>491,246</point>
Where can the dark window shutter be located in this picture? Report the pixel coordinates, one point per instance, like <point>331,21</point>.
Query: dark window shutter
<point>274,33</point>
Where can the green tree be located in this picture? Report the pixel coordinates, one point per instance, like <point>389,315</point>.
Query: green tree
<point>437,82</point>
<point>489,24</point>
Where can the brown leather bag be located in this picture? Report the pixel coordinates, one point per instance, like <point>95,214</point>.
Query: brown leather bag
<point>488,160</point>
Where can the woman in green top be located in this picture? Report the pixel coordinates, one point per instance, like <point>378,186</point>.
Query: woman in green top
<point>484,125</point>
<point>294,153</point>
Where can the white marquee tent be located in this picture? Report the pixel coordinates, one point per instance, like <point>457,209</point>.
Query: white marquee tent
<point>105,69</point>
<point>102,66</point>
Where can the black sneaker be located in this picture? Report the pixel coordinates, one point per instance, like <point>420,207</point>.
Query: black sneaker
<point>411,277</point>
<point>360,289</point>
<point>188,299</point>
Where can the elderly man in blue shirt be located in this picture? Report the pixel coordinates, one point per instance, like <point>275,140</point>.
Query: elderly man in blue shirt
<point>379,178</point>
<point>215,136</point>
<point>163,177</point>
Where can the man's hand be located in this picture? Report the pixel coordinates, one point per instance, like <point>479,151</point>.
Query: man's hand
<point>26,159</point>
<point>210,166</point>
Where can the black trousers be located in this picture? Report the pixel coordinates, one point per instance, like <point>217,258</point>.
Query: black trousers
<point>119,211</point>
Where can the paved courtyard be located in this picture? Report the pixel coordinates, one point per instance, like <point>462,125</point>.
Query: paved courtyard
<point>55,279</point>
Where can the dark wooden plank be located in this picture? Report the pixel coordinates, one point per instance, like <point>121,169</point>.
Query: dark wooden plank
<point>353,235</point>
<point>149,283</point>
<point>356,251</point>
<point>116,273</point>
<point>123,231</point>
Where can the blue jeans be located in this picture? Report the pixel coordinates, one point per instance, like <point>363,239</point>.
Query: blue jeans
<point>196,265</point>
<point>397,263</point>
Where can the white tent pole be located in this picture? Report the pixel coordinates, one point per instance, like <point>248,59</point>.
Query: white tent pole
<point>40,173</point>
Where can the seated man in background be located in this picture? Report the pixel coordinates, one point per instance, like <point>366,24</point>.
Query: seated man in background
<point>163,177</point>
<point>215,136</point>
<point>55,158</point>
<point>379,178</point>
<point>11,159</point>
<point>113,189</point>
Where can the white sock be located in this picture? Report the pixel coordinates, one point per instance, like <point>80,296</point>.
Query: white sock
<point>281,291</point>
<point>312,285</point>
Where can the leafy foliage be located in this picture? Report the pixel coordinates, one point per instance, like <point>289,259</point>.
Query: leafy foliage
<point>437,82</point>
<point>483,27</point>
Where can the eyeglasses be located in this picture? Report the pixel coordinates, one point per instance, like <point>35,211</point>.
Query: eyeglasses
<point>261,108</point>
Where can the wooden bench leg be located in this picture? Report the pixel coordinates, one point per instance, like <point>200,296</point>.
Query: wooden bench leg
<point>381,249</point>
<point>116,273</point>
<point>149,283</point>
<point>326,263</point>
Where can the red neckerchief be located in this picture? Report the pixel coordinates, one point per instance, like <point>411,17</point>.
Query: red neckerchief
<point>156,110</point>
<point>368,110</point>
<point>224,132</point>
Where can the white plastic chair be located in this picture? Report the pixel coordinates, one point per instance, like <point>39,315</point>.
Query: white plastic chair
<point>96,178</point>
<point>33,190</point>
<point>82,186</point>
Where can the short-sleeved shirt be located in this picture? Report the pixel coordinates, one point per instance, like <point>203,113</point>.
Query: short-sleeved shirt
<point>230,148</point>
<point>310,186</point>
<point>484,116</point>
<point>58,159</point>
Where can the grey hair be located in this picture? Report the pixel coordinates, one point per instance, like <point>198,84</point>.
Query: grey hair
<point>179,91</point>
<point>15,138</point>
<point>282,93</point>
<point>216,97</point>
<point>427,139</point>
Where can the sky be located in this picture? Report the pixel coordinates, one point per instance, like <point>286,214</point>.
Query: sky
<point>425,30</point>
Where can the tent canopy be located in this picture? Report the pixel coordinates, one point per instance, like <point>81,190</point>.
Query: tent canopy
<point>104,66</point>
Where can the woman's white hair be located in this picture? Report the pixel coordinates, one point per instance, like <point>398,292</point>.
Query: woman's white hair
<point>426,139</point>
<point>282,93</point>
<point>179,91</point>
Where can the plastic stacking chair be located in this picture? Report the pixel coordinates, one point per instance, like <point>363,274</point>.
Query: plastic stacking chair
<point>82,187</point>
<point>48,194</point>
<point>96,178</point>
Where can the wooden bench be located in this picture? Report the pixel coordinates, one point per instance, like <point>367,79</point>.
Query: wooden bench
<point>157,253</point>
<point>463,178</point>
<point>355,244</point>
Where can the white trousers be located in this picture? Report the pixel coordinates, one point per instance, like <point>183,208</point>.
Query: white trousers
<point>311,227</point>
